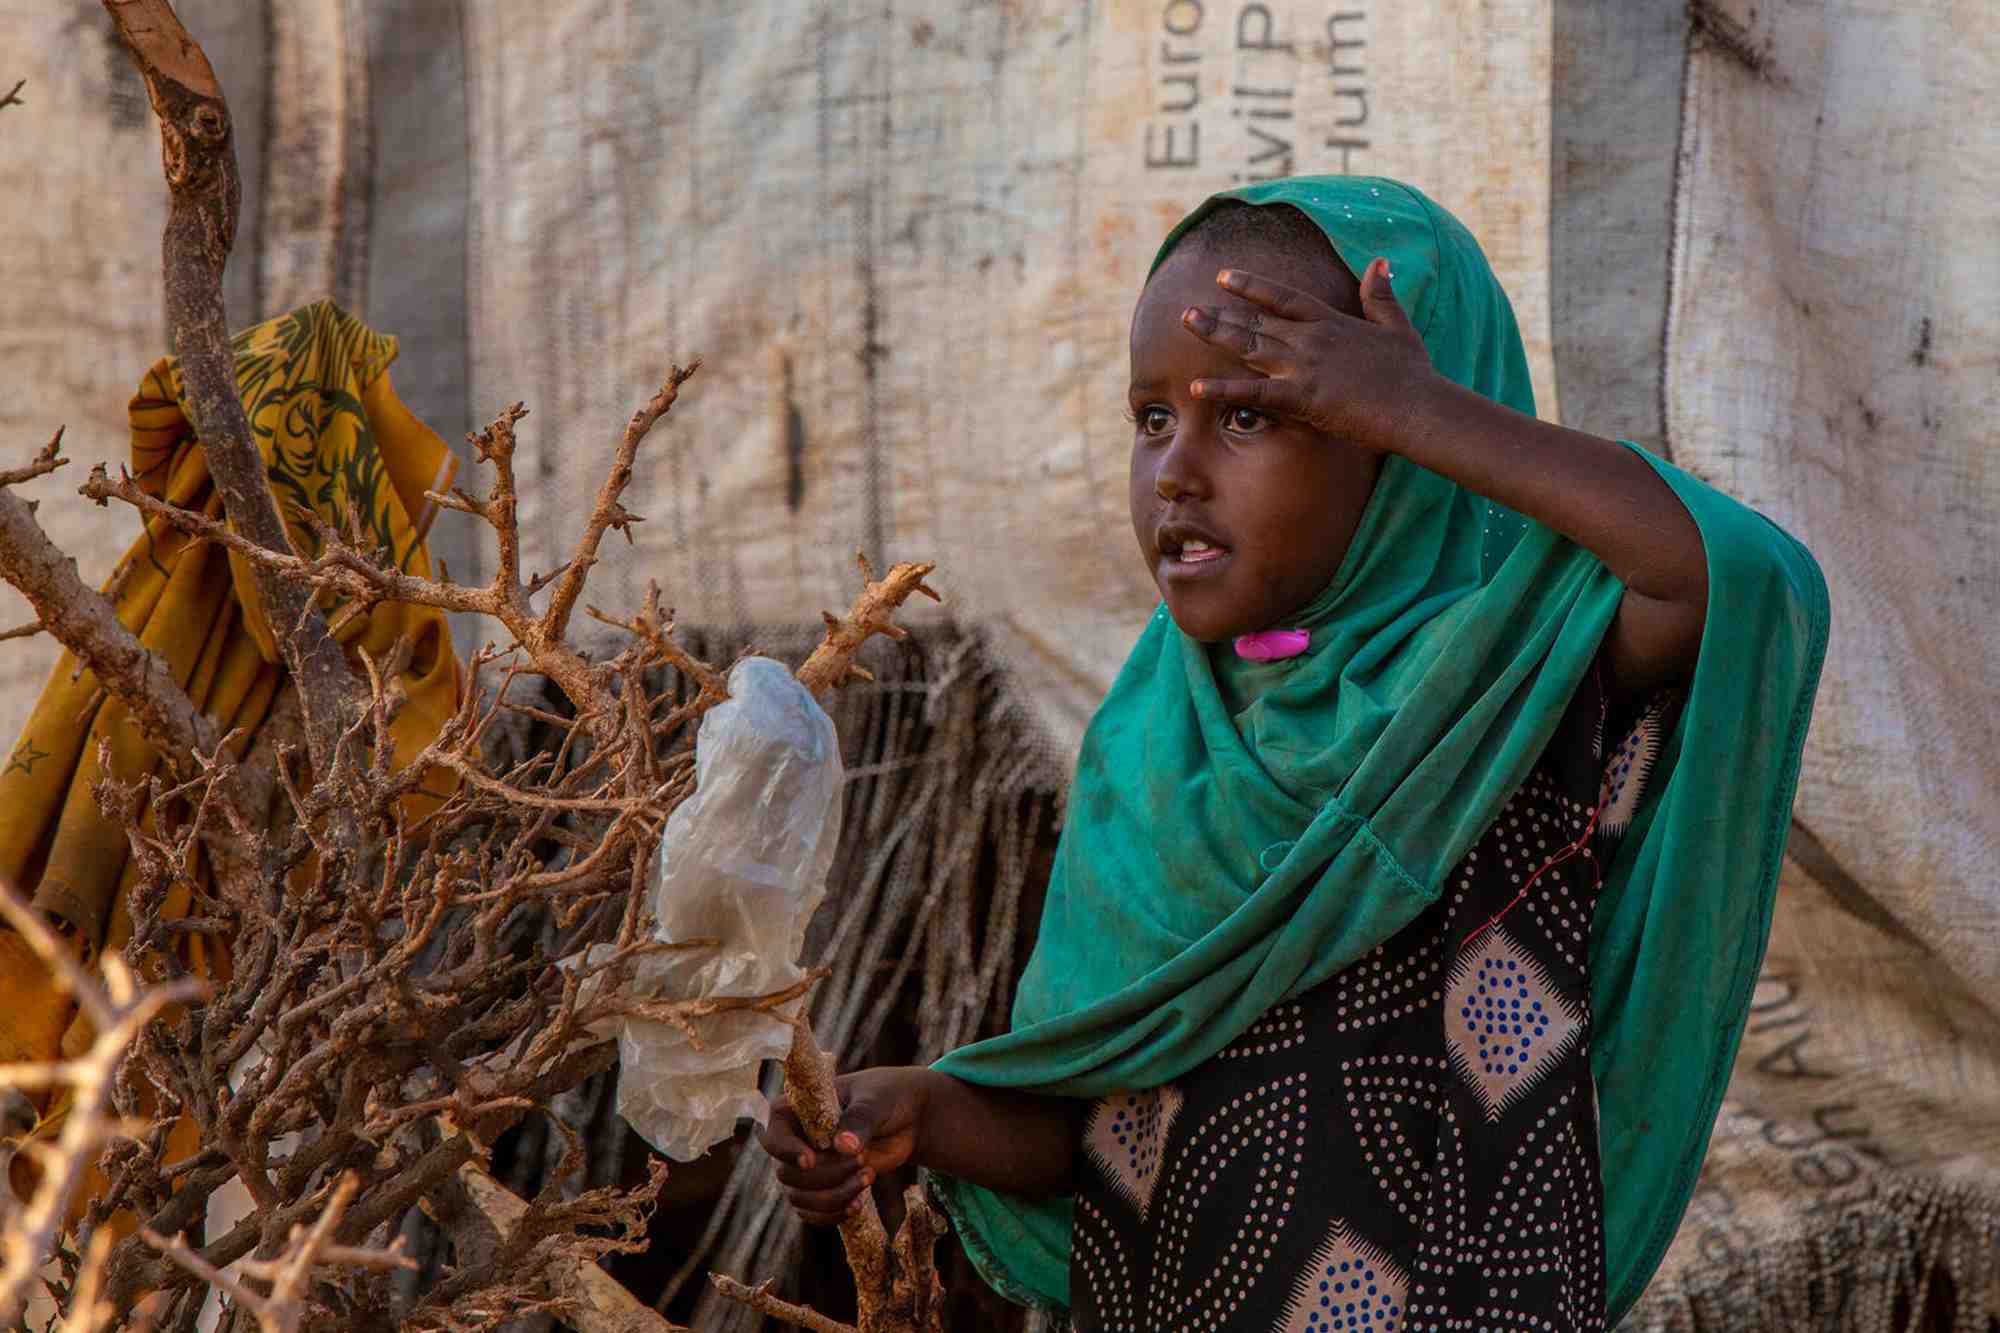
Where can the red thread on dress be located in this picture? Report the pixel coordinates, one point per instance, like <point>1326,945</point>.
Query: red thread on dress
<point>1582,841</point>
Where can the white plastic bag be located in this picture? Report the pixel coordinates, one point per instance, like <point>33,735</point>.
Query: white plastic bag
<point>744,861</point>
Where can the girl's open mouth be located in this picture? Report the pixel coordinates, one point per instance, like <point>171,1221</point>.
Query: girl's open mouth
<point>1193,560</point>
<point>1198,552</point>
<point>1188,550</point>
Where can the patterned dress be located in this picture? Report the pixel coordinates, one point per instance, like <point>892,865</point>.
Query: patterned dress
<point>1413,1144</point>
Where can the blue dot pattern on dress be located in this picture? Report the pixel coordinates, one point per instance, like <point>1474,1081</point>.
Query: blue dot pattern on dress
<point>1619,770</point>
<point>1352,1296</point>
<point>1133,1128</point>
<point>1503,1017</point>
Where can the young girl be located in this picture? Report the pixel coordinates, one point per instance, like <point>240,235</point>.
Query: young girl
<point>1419,862</point>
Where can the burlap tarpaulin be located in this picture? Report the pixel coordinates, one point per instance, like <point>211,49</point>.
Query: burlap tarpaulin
<point>906,239</point>
<point>1831,355</point>
<point>907,242</point>
<point>1853,1165</point>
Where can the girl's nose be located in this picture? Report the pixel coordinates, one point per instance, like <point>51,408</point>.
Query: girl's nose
<point>1180,473</point>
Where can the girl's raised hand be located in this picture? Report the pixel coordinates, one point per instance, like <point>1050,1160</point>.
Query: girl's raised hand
<point>880,1111</point>
<point>1342,376</point>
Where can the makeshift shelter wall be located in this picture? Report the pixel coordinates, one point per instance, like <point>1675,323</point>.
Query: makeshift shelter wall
<point>907,241</point>
<point>1831,352</point>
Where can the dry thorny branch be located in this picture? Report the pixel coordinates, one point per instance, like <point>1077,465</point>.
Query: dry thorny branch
<point>391,1001</point>
<point>118,1009</point>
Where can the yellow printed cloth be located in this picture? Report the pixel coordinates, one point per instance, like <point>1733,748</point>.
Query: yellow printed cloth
<point>337,442</point>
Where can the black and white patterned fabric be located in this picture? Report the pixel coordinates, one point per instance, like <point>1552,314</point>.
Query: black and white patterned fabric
<point>1412,1145</point>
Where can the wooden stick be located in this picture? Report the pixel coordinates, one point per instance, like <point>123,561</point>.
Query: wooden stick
<point>809,1070</point>
<point>118,1010</point>
<point>598,1302</point>
<point>760,1299</point>
<point>198,156</point>
<point>832,663</point>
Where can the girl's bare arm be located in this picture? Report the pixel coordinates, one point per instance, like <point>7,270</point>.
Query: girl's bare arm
<point>1596,492</point>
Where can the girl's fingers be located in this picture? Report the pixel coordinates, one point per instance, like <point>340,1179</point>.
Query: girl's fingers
<point>1282,301</point>
<point>858,1120</point>
<point>1251,344</point>
<point>1379,303</point>
<point>832,1219</point>
<point>833,1173</point>
<point>784,1138</point>
<point>831,1202</point>
<point>1279,397</point>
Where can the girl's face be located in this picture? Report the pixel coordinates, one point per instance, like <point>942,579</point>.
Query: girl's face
<point>1242,518</point>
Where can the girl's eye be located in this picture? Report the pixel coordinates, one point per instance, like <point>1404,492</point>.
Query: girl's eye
<point>1244,421</point>
<point>1154,420</point>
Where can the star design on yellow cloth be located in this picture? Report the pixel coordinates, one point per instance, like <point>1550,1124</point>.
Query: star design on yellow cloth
<point>25,755</point>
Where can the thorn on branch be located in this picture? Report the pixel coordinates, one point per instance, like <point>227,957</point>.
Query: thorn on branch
<point>45,462</point>
<point>608,512</point>
<point>832,663</point>
<point>761,1299</point>
<point>497,440</point>
<point>622,520</point>
<point>457,498</point>
<point>537,582</point>
<point>654,628</point>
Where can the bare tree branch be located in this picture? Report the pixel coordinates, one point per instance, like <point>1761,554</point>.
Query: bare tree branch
<point>391,988</point>
<point>761,1299</point>
<point>85,623</point>
<point>607,513</point>
<point>118,1011</point>
<point>595,1301</point>
<point>197,145</point>
<point>832,663</point>
<point>893,1297</point>
<point>285,1308</point>
<point>361,580</point>
<point>45,462</point>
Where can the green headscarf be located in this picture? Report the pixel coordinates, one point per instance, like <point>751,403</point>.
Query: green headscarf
<point>1218,861</point>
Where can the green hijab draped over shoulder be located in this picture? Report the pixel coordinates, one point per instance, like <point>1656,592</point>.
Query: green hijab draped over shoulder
<point>1238,832</point>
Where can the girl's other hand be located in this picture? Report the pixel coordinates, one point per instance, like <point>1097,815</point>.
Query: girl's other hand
<point>881,1110</point>
<point>1355,379</point>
